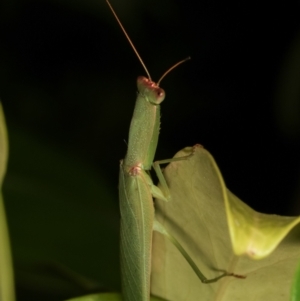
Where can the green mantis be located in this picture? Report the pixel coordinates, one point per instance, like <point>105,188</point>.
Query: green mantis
<point>136,191</point>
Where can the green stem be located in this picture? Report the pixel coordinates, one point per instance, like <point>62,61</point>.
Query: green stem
<point>7,292</point>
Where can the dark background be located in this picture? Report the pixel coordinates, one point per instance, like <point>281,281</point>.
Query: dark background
<point>68,87</point>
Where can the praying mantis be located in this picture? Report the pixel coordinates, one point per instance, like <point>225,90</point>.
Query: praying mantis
<point>137,190</point>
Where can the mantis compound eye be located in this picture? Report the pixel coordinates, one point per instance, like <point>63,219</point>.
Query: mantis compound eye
<point>153,93</point>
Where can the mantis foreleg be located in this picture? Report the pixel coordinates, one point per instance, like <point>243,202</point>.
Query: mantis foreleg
<point>157,226</point>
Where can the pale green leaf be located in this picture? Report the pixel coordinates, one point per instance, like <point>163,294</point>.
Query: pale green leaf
<point>107,297</point>
<point>197,218</point>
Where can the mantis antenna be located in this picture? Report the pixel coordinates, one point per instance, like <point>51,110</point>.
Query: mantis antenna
<point>139,57</point>
<point>129,40</point>
<point>173,67</point>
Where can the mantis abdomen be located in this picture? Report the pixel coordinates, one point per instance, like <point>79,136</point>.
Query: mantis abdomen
<point>137,215</point>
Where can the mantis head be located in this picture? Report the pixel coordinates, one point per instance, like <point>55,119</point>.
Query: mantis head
<point>150,90</point>
<point>146,87</point>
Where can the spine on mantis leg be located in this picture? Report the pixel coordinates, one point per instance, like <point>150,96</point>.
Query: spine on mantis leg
<point>135,193</point>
